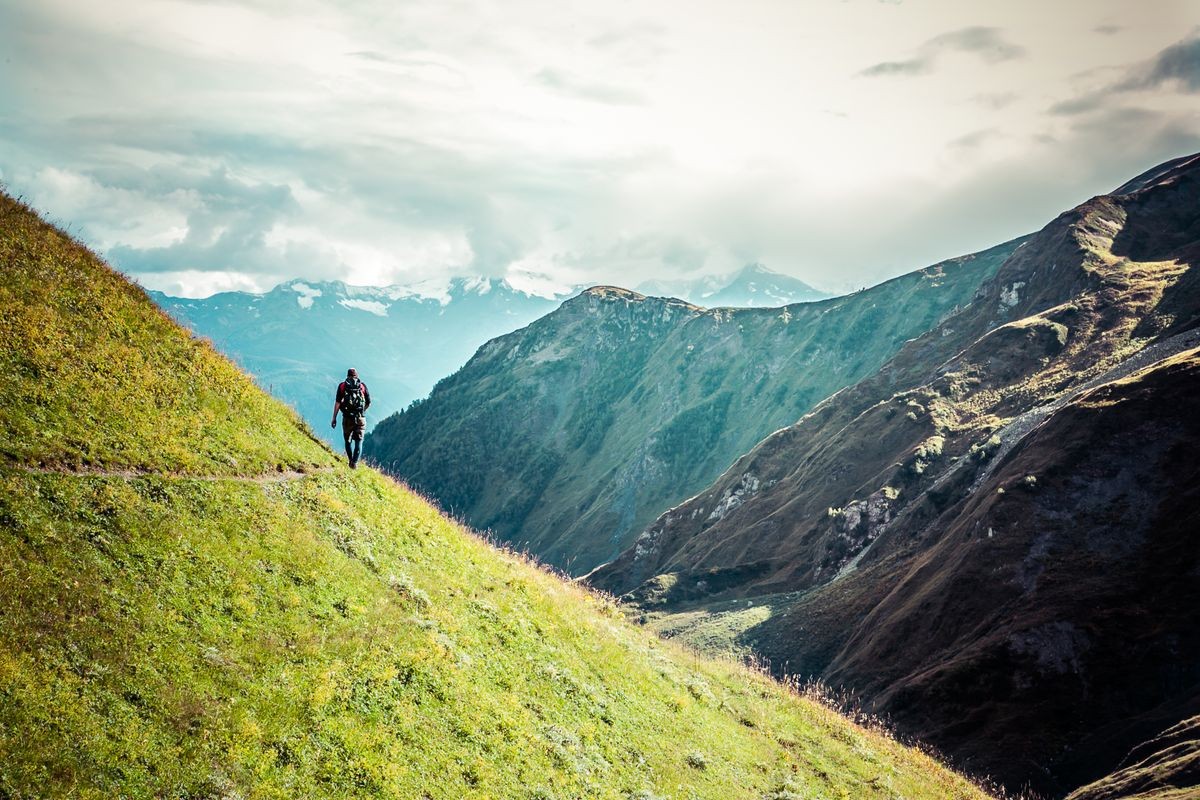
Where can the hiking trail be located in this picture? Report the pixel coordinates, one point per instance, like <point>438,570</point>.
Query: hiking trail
<point>281,476</point>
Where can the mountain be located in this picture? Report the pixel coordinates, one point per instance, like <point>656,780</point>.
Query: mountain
<point>993,538</point>
<point>1164,768</point>
<point>299,338</point>
<point>566,438</point>
<point>754,286</point>
<point>197,599</point>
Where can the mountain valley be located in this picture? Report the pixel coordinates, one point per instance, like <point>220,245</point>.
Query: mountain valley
<point>992,537</point>
<point>966,496</point>
<point>567,437</point>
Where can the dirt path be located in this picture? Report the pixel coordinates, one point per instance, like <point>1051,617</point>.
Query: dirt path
<point>130,474</point>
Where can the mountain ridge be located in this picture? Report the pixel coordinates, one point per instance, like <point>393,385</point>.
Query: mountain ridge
<point>567,436</point>
<point>754,285</point>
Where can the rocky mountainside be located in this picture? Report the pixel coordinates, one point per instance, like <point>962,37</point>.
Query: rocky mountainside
<point>753,286</point>
<point>993,538</point>
<point>1166,767</point>
<point>567,437</point>
<point>198,600</point>
<point>299,338</point>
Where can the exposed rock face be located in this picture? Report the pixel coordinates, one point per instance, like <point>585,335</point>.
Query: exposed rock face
<point>570,436</point>
<point>993,539</point>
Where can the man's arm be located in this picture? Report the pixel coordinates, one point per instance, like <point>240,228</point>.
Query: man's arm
<point>366,397</point>
<point>337,404</point>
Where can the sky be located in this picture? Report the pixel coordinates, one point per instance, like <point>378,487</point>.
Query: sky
<point>205,146</point>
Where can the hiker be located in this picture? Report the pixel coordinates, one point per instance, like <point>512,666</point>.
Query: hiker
<point>352,400</point>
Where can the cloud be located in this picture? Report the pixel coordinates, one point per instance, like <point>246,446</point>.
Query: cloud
<point>1175,68</point>
<point>921,65</point>
<point>573,86</point>
<point>987,43</point>
<point>376,143</point>
<point>640,43</point>
<point>983,42</point>
<point>994,100</point>
<point>973,140</point>
<point>1108,30</point>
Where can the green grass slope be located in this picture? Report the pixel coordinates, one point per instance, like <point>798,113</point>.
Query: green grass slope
<point>92,376</point>
<point>197,602</point>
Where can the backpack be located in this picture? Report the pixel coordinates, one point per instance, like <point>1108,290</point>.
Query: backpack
<point>354,400</point>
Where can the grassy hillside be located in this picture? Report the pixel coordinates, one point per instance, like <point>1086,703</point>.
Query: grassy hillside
<point>569,436</point>
<point>196,601</point>
<point>92,376</point>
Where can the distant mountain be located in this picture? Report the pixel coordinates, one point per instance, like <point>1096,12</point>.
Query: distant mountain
<point>569,436</point>
<point>754,286</point>
<point>994,539</point>
<point>299,338</point>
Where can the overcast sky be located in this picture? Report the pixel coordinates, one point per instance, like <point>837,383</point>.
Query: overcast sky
<point>213,145</point>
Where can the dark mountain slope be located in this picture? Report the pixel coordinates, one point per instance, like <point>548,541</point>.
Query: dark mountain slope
<point>1166,767</point>
<point>196,601</point>
<point>1042,651</point>
<point>567,437</point>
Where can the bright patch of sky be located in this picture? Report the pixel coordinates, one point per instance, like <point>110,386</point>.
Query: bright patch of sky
<point>205,146</point>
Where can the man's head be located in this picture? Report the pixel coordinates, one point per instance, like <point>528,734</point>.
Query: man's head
<point>352,373</point>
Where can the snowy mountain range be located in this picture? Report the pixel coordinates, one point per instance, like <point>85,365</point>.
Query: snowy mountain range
<point>753,286</point>
<point>299,338</point>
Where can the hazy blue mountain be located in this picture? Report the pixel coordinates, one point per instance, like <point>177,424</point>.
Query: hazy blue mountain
<point>753,286</point>
<point>299,338</point>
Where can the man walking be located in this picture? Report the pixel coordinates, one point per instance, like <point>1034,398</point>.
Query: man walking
<point>352,400</point>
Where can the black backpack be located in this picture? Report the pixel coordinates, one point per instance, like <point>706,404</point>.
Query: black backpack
<point>354,400</point>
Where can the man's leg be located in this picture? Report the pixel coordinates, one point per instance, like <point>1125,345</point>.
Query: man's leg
<point>348,436</point>
<point>360,426</point>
